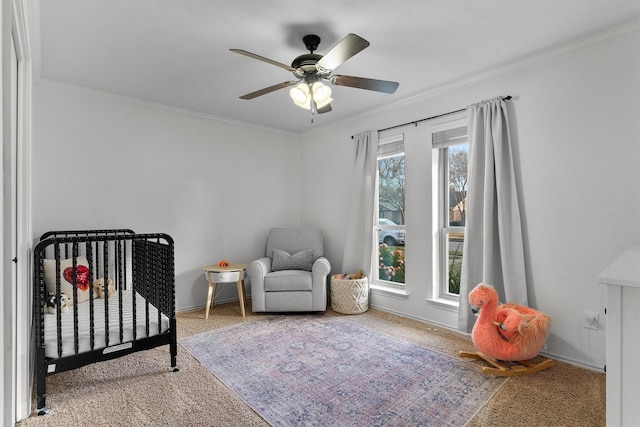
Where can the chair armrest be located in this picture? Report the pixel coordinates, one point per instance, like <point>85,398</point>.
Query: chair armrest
<point>256,270</point>
<point>321,267</point>
<point>320,270</point>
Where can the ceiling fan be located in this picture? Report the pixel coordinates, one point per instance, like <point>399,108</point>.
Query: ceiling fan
<point>312,69</point>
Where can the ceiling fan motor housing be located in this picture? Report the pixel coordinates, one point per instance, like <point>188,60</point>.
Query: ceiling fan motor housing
<point>305,65</point>
<point>306,62</point>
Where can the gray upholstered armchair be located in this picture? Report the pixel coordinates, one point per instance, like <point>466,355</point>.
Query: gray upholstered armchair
<point>293,274</point>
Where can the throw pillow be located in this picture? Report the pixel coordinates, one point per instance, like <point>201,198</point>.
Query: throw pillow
<point>66,277</point>
<point>283,260</point>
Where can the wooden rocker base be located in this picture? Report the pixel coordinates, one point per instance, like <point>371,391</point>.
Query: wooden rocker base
<point>521,367</point>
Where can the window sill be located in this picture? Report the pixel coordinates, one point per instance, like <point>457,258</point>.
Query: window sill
<point>388,291</point>
<point>445,304</point>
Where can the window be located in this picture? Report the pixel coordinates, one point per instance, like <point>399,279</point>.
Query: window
<point>451,147</point>
<point>390,213</point>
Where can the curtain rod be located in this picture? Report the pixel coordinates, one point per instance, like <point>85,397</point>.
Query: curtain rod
<point>415,122</point>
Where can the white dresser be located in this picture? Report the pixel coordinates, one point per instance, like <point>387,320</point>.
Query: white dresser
<point>622,278</point>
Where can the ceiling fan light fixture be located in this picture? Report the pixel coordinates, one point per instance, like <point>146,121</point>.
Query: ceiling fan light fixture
<point>321,93</point>
<point>302,93</point>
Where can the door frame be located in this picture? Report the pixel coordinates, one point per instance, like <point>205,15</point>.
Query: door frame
<point>16,231</point>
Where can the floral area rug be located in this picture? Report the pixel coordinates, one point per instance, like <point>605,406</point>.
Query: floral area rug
<point>314,370</point>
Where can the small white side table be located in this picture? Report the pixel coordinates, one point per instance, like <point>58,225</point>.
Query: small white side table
<point>215,274</point>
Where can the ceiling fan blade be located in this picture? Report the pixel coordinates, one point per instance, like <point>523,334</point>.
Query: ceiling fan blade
<point>345,49</point>
<point>262,58</point>
<point>364,83</point>
<point>267,90</point>
<point>324,109</point>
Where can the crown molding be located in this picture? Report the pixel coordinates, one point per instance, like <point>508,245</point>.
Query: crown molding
<point>534,60</point>
<point>160,106</point>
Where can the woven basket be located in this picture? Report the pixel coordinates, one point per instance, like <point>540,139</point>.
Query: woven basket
<point>349,296</point>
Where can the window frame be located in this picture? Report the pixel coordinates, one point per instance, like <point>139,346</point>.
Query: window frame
<point>396,142</point>
<point>441,227</point>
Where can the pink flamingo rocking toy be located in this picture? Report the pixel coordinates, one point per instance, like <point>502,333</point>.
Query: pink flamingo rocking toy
<point>507,332</point>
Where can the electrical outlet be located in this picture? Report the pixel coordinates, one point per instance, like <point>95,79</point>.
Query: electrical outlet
<point>591,320</point>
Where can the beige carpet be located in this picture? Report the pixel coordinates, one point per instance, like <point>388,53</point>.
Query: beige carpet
<point>141,390</point>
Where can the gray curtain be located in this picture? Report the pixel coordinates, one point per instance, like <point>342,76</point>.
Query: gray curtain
<point>357,246</point>
<point>493,247</point>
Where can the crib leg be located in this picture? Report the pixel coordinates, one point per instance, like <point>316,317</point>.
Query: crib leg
<point>41,382</point>
<point>174,362</point>
<point>42,408</point>
<point>173,345</point>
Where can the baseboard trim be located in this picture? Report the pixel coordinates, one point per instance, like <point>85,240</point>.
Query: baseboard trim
<point>201,306</point>
<point>574,362</point>
<point>557,357</point>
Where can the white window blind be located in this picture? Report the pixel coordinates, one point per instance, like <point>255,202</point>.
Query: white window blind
<point>391,145</point>
<point>449,137</point>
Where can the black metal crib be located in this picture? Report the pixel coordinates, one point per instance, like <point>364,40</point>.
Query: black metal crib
<point>77,322</point>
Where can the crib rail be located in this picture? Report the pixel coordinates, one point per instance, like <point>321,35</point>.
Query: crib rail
<point>72,233</point>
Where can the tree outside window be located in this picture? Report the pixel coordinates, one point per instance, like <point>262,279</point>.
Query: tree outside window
<point>458,156</point>
<point>391,188</point>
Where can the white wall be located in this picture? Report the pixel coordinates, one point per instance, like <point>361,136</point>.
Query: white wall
<point>106,161</point>
<point>576,113</point>
<point>101,160</point>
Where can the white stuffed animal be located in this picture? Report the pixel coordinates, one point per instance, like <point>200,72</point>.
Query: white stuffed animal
<point>98,287</point>
<point>52,302</point>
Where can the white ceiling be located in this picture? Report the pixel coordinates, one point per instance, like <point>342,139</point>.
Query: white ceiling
<point>176,52</point>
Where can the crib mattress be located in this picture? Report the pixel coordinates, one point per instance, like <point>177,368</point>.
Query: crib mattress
<point>99,332</point>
